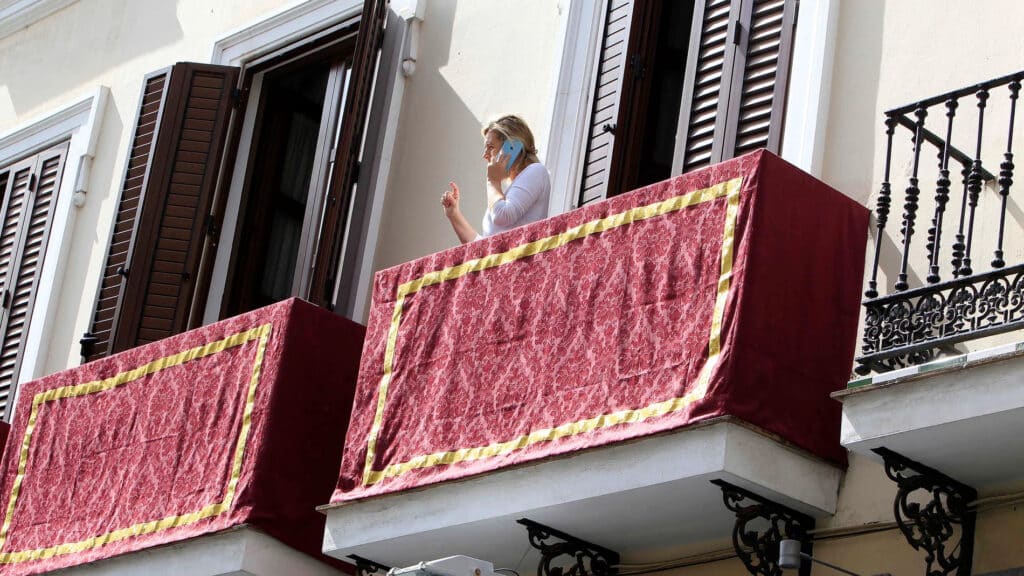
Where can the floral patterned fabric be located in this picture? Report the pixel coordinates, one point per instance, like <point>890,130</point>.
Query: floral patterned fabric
<point>239,422</point>
<point>732,291</point>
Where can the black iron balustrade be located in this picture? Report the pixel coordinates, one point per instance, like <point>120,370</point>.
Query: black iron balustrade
<point>955,303</point>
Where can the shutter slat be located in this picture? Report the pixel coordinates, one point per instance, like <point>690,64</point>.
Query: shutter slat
<point>179,139</point>
<point>610,73</point>
<point>205,81</point>
<point>28,214</point>
<point>143,140</point>
<point>756,113</point>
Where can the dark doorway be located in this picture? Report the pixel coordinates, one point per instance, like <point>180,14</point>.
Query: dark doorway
<point>633,131</point>
<point>296,132</point>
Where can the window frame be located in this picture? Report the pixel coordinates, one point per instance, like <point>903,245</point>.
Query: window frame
<point>252,77</point>
<point>290,30</point>
<point>77,122</point>
<point>174,212</point>
<point>806,108</point>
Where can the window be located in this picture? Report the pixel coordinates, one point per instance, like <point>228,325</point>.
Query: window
<point>682,85</point>
<point>299,123</point>
<point>29,188</point>
<point>300,173</point>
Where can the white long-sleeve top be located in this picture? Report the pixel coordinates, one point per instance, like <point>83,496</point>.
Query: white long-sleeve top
<point>526,200</point>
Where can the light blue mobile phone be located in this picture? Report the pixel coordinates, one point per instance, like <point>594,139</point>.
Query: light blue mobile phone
<point>512,148</point>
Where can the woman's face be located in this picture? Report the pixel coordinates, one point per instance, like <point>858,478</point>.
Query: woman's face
<point>492,145</point>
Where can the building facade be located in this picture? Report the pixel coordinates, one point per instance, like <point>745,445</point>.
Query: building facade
<point>169,165</point>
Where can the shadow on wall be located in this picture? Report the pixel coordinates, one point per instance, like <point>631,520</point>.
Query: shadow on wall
<point>91,229</point>
<point>854,124</point>
<point>438,141</point>
<point>64,51</point>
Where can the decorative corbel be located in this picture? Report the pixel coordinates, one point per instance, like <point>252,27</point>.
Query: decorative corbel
<point>933,512</point>
<point>587,559</point>
<point>366,567</point>
<point>761,526</point>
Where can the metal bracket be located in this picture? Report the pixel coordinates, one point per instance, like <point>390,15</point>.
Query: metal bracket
<point>589,559</point>
<point>938,513</point>
<point>365,566</point>
<point>761,526</point>
<point>88,344</point>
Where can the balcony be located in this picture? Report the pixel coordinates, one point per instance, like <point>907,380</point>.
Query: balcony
<point>631,375</point>
<point>941,397</point>
<point>941,293</point>
<point>204,453</point>
<point>942,340</point>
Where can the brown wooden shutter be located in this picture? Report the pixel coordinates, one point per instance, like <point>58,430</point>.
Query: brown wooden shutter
<point>136,172</point>
<point>16,196</point>
<point>705,89</point>
<point>17,180</point>
<point>26,218</point>
<point>346,161</point>
<point>177,147</point>
<point>760,77</point>
<point>736,80</point>
<point>611,71</point>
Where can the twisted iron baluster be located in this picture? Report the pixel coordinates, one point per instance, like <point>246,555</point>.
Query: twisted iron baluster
<point>974,184</point>
<point>910,206</point>
<point>1006,175</point>
<point>882,207</point>
<point>958,246</point>
<point>941,196</point>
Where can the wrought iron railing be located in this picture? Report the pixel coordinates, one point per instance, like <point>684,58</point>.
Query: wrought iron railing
<point>954,302</point>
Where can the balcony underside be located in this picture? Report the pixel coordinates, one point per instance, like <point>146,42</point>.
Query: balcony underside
<point>241,551</point>
<point>962,416</point>
<point>636,498</point>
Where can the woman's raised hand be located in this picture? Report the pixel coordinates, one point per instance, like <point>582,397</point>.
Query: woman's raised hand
<point>450,199</point>
<point>496,171</point>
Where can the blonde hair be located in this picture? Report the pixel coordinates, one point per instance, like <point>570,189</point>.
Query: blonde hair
<point>511,126</point>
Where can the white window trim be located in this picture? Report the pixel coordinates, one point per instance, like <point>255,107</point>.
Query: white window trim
<point>810,82</point>
<point>238,48</point>
<point>288,26</point>
<point>571,103</point>
<point>810,85</point>
<point>79,122</point>
<point>280,29</point>
<point>16,15</point>
<point>397,63</point>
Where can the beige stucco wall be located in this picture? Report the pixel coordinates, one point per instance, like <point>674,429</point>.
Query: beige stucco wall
<point>70,53</point>
<point>890,54</point>
<point>478,60</point>
<point>863,537</point>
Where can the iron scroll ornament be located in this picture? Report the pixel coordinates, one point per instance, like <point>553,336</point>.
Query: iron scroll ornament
<point>933,526</point>
<point>908,328</point>
<point>587,559</point>
<point>367,567</point>
<point>758,547</point>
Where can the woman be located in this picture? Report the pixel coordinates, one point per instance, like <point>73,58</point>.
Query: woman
<point>525,200</point>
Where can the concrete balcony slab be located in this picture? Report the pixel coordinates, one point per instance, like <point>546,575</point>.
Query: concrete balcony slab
<point>635,498</point>
<point>241,551</point>
<point>963,416</point>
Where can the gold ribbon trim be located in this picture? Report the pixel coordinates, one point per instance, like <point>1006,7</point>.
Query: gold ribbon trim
<point>729,189</point>
<point>262,333</point>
